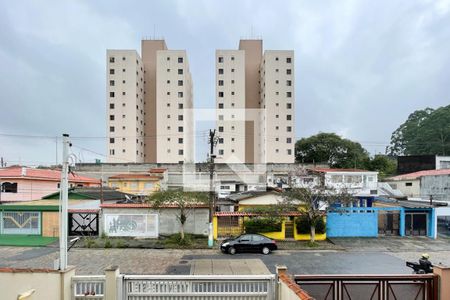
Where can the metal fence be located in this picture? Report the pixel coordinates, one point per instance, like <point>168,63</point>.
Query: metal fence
<point>146,287</point>
<point>88,287</point>
<point>20,222</point>
<point>374,287</point>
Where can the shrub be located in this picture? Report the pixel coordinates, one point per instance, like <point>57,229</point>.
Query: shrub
<point>108,244</point>
<point>89,242</point>
<point>262,224</point>
<point>121,244</point>
<point>175,239</point>
<point>304,226</point>
<point>321,226</point>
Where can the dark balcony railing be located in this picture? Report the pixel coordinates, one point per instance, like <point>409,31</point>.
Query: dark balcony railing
<point>373,287</point>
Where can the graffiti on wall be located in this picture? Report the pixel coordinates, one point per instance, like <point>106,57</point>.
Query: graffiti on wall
<point>143,225</point>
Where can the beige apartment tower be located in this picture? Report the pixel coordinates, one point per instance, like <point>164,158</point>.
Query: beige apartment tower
<point>150,116</point>
<point>255,104</point>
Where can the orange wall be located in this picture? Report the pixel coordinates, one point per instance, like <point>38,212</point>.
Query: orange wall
<point>50,224</point>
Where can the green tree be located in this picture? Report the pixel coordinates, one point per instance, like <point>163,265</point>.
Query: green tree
<point>332,149</point>
<point>313,201</point>
<point>383,164</point>
<point>184,201</point>
<point>425,131</point>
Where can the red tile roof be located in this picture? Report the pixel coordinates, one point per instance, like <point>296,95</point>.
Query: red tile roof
<point>83,211</point>
<point>158,170</point>
<point>325,170</point>
<point>291,284</point>
<point>43,174</point>
<point>145,205</point>
<point>135,176</point>
<point>419,174</point>
<point>248,214</point>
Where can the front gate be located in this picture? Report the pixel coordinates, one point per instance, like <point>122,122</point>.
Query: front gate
<point>146,287</point>
<point>82,224</point>
<point>372,287</point>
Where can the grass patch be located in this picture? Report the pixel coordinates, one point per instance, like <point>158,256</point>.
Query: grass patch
<point>26,240</point>
<point>90,242</point>
<point>173,241</point>
<point>108,243</point>
<point>190,241</point>
<point>313,244</point>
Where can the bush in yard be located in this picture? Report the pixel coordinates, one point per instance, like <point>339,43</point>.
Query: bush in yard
<point>304,227</point>
<point>262,225</point>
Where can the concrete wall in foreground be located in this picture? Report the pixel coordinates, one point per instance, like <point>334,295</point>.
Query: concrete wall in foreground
<point>47,284</point>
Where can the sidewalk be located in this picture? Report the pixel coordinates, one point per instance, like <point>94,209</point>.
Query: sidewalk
<point>392,244</point>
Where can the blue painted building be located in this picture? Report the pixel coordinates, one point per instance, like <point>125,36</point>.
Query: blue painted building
<point>383,217</point>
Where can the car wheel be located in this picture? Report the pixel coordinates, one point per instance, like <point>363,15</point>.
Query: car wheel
<point>265,250</point>
<point>232,250</point>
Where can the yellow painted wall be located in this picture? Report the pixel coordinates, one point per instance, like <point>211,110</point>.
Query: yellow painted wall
<point>215,227</point>
<point>227,231</point>
<point>126,186</point>
<point>307,237</point>
<point>277,235</point>
<point>50,224</point>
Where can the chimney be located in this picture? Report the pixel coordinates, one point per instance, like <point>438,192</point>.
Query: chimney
<point>24,171</point>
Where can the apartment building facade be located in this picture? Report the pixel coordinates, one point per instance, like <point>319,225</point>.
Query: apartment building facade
<point>125,106</point>
<point>149,102</point>
<point>255,102</point>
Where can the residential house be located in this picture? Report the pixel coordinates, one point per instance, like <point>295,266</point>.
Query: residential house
<point>251,204</point>
<point>40,218</point>
<point>360,183</point>
<point>102,194</point>
<point>427,184</point>
<point>26,184</point>
<point>385,217</point>
<point>141,184</point>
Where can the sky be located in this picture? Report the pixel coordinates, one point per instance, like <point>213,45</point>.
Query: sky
<point>361,67</point>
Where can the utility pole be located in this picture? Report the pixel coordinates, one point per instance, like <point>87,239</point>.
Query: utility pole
<point>212,143</point>
<point>63,214</point>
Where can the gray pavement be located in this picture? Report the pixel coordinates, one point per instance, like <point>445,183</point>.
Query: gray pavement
<point>226,266</point>
<point>321,262</point>
<point>360,256</point>
<point>393,244</point>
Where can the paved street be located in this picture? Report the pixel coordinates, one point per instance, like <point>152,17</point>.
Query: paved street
<point>359,256</point>
<point>152,261</point>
